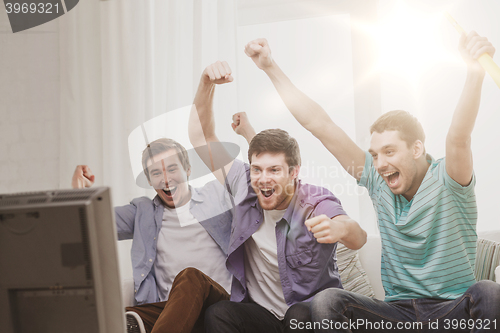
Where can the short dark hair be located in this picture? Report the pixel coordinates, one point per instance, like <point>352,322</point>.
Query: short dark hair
<point>275,141</point>
<point>408,126</point>
<point>162,145</point>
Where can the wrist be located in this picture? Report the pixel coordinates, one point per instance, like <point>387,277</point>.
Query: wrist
<point>77,184</point>
<point>206,82</point>
<point>475,77</point>
<point>249,132</point>
<point>244,134</point>
<point>249,136</point>
<point>476,72</point>
<point>270,68</point>
<point>344,231</point>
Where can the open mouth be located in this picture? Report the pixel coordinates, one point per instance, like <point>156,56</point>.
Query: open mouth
<point>169,191</point>
<point>392,178</point>
<point>267,192</point>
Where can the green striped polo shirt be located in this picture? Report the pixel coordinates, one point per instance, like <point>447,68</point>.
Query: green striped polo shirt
<point>429,243</point>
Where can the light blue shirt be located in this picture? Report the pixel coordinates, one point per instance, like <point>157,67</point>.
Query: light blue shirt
<point>141,221</point>
<point>429,243</point>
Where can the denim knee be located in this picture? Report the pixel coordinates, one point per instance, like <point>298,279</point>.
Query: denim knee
<point>300,311</point>
<point>485,289</point>
<point>485,294</point>
<point>328,302</point>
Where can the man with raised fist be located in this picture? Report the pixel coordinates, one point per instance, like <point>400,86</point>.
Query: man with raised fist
<point>179,241</point>
<point>426,211</point>
<point>284,232</point>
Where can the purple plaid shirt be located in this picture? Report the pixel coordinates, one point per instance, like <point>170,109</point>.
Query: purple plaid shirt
<point>306,267</point>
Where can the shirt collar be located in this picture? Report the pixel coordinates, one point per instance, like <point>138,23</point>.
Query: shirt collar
<point>195,195</point>
<point>293,203</point>
<point>157,201</point>
<point>428,174</point>
<point>429,158</point>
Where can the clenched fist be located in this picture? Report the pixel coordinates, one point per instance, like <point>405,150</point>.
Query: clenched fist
<point>241,125</point>
<point>218,73</point>
<point>82,177</point>
<point>260,53</point>
<point>471,47</point>
<point>326,230</point>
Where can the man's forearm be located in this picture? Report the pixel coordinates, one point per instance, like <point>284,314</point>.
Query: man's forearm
<point>313,118</point>
<point>355,236</point>
<point>471,47</point>
<point>465,114</point>
<point>201,121</point>
<point>248,135</point>
<point>307,112</point>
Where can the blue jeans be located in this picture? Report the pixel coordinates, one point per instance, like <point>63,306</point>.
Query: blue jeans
<point>478,310</point>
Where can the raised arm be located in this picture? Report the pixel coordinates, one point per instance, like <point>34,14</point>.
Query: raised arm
<point>308,113</point>
<point>124,215</point>
<point>241,125</point>
<point>458,141</point>
<point>201,126</point>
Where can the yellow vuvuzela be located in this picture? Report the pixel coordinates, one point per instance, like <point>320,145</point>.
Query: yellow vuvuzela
<point>485,59</point>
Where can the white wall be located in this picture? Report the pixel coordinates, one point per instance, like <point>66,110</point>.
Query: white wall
<point>430,86</point>
<point>309,57</point>
<point>419,70</point>
<point>29,108</point>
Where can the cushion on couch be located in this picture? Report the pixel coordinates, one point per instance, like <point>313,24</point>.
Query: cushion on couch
<point>487,259</point>
<point>352,274</point>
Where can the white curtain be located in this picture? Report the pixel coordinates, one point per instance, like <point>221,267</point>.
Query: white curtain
<point>124,62</point>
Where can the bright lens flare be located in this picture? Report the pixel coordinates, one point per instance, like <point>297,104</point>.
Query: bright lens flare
<point>411,42</point>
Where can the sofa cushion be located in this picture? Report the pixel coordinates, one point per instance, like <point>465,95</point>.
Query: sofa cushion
<point>352,274</point>
<point>487,259</point>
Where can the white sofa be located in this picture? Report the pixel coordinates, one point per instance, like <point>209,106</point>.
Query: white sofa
<point>369,257</point>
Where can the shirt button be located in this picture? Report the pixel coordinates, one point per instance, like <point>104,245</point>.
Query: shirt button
<point>241,238</point>
<point>135,290</point>
<point>142,275</point>
<point>299,262</point>
<point>256,221</point>
<point>150,260</point>
<point>154,238</point>
<point>301,201</point>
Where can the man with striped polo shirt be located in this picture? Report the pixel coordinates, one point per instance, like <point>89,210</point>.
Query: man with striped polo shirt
<point>426,212</point>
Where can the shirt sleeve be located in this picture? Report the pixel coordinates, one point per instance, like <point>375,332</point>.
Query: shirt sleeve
<point>238,180</point>
<point>459,190</point>
<point>330,207</point>
<point>369,178</point>
<point>125,218</point>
